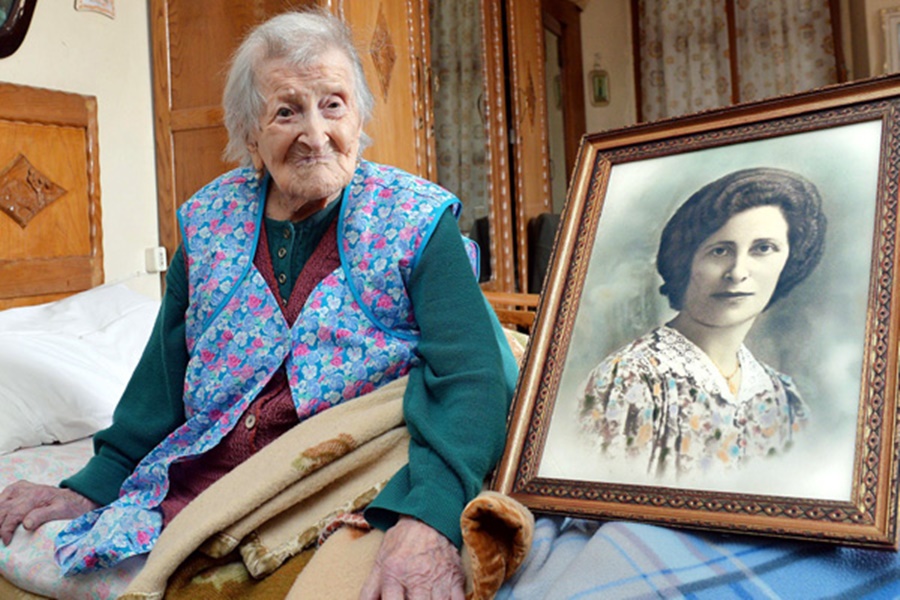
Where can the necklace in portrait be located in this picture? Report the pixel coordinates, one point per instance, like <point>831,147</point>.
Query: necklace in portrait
<point>733,385</point>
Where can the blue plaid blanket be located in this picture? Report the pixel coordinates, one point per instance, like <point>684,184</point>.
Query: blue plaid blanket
<point>584,559</point>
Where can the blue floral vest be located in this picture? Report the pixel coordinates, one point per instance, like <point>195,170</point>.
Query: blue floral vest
<point>356,332</point>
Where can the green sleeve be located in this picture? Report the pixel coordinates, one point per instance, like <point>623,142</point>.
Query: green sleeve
<point>152,404</point>
<point>457,398</point>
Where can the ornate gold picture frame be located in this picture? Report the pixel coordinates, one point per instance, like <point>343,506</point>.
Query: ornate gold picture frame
<point>718,403</point>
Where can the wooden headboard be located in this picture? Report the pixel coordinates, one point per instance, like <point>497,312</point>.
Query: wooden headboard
<point>50,229</point>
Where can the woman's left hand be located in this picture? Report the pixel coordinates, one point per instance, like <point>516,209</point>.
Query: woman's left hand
<point>416,562</point>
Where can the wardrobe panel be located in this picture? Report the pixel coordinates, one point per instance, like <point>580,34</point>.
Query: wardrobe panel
<point>392,39</point>
<point>527,95</point>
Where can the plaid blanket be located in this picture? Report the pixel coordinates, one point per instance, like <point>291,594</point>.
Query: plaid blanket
<point>583,559</point>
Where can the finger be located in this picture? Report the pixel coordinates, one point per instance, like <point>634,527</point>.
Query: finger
<point>449,587</point>
<point>58,508</point>
<point>371,589</point>
<point>20,498</point>
<point>419,593</point>
<point>8,526</point>
<point>458,592</point>
<point>39,516</point>
<point>6,533</point>
<point>14,490</point>
<point>16,511</point>
<point>391,589</point>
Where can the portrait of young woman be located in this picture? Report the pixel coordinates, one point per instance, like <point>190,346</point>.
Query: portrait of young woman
<point>689,396</point>
<point>720,330</point>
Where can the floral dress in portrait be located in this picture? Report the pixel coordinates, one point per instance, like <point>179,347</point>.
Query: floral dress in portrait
<point>661,400</point>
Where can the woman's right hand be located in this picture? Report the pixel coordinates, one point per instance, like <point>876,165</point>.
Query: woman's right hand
<point>32,505</point>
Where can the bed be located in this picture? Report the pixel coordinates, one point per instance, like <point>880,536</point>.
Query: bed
<point>68,343</point>
<point>62,366</point>
<point>570,558</point>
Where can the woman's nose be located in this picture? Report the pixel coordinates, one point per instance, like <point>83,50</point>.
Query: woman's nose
<point>313,132</point>
<point>737,271</point>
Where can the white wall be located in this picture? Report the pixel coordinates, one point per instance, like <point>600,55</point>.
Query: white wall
<point>606,30</point>
<point>89,53</point>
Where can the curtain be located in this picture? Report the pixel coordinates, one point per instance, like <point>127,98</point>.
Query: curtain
<point>683,56</point>
<point>459,131</point>
<point>782,46</point>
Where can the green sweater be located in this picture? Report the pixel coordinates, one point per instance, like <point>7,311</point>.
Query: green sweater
<point>455,405</point>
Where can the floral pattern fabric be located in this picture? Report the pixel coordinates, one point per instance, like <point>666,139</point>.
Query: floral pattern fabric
<point>355,333</point>
<point>28,561</point>
<point>367,229</point>
<point>661,401</point>
<point>782,47</point>
<point>459,110</point>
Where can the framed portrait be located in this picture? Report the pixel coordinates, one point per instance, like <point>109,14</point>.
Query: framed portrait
<point>599,87</point>
<point>716,344</point>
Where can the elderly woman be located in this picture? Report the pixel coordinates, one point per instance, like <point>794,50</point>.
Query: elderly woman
<point>305,278</point>
<point>689,396</point>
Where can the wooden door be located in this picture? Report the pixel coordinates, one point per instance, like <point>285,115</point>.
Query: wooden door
<point>502,244</point>
<point>527,96</point>
<point>516,122</point>
<point>563,19</point>
<point>192,41</point>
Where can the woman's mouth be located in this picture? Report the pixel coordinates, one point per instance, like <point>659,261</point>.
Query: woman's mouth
<point>731,295</point>
<point>313,159</point>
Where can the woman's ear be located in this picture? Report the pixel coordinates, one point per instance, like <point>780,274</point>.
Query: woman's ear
<point>253,148</point>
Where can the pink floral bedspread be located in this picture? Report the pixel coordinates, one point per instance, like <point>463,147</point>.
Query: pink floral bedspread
<point>28,561</point>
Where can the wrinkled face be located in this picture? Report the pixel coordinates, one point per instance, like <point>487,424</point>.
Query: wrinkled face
<point>308,137</point>
<point>735,270</point>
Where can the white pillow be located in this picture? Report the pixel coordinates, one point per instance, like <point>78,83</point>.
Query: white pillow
<point>64,365</point>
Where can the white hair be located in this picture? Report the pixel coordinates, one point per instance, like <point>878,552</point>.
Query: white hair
<point>301,37</point>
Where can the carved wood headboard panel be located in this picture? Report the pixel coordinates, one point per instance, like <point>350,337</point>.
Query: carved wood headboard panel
<point>50,227</point>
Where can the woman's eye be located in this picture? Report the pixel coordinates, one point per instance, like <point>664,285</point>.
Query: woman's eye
<point>719,251</point>
<point>765,248</point>
<point>334,104</point>
<point>284,112</point>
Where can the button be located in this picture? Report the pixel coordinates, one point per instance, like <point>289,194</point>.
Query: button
<point>282,252</point>
<point>282,278</point>
<point>286,233</point>
<point>250,421</point>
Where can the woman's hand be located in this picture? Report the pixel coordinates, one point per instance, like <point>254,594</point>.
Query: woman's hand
<point>415,562</point>
<point>32,505</point>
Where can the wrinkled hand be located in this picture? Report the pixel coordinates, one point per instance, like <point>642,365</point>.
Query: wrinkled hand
<point>32,505</point>
<point>415,562</point>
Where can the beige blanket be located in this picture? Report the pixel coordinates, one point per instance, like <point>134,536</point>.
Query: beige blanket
<point>273,507</point>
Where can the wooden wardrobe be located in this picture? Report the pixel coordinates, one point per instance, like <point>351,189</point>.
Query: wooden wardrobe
<point>192,41</point>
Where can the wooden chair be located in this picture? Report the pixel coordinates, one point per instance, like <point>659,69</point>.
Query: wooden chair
<point>514,310</point>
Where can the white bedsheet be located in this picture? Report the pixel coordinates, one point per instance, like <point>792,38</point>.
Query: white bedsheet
<point>63,366</point>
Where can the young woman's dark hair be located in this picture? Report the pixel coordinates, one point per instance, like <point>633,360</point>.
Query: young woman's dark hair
<point>714,204</point>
